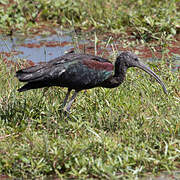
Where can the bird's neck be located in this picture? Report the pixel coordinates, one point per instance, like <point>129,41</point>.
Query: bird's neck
<point>120,72</point>
<point>118,78</point>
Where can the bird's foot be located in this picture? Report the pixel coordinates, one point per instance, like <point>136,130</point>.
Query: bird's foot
<point>64,113</point>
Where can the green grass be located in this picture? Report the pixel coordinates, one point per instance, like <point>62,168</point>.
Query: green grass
<point>124,132</point>
<point>150,18</point>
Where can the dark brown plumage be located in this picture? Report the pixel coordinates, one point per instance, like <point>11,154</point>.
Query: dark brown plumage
<point>81,71</point>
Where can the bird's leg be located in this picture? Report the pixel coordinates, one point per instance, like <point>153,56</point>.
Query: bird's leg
<point>71,101</point>
<point>66,98</point>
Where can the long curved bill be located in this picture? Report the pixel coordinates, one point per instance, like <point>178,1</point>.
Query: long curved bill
<point>149,71</point>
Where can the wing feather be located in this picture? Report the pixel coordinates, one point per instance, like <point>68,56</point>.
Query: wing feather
<point>76,71</point>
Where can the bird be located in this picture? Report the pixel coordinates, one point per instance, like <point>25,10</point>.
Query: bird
<point>80,71</point>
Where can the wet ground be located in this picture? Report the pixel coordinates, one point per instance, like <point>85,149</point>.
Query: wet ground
<point>37,48</point>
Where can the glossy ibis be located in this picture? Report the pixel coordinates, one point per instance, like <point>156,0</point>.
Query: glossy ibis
<point>81,71</point>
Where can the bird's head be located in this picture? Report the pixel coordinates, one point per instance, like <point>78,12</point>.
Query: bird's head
<point>128,59</point>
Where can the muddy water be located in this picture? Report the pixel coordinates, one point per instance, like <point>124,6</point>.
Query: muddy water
<point>39,48</point>
<point>35,48</point>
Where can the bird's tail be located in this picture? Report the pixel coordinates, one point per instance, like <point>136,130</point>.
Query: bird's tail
<point>32,74</point>
<point>32,85</point>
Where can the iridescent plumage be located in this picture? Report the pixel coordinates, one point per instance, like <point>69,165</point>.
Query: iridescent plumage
<point>81,71</point>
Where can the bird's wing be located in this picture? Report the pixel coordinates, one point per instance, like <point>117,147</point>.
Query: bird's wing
<point>82,69</point>
<point>81,65</point>
<point>69,57</point>
<point>35,73</point>
<point>86,74</point>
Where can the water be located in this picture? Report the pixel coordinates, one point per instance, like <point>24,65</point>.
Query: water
<point>44,48</point>
<point>37,48</point>
<point>173,63</point>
